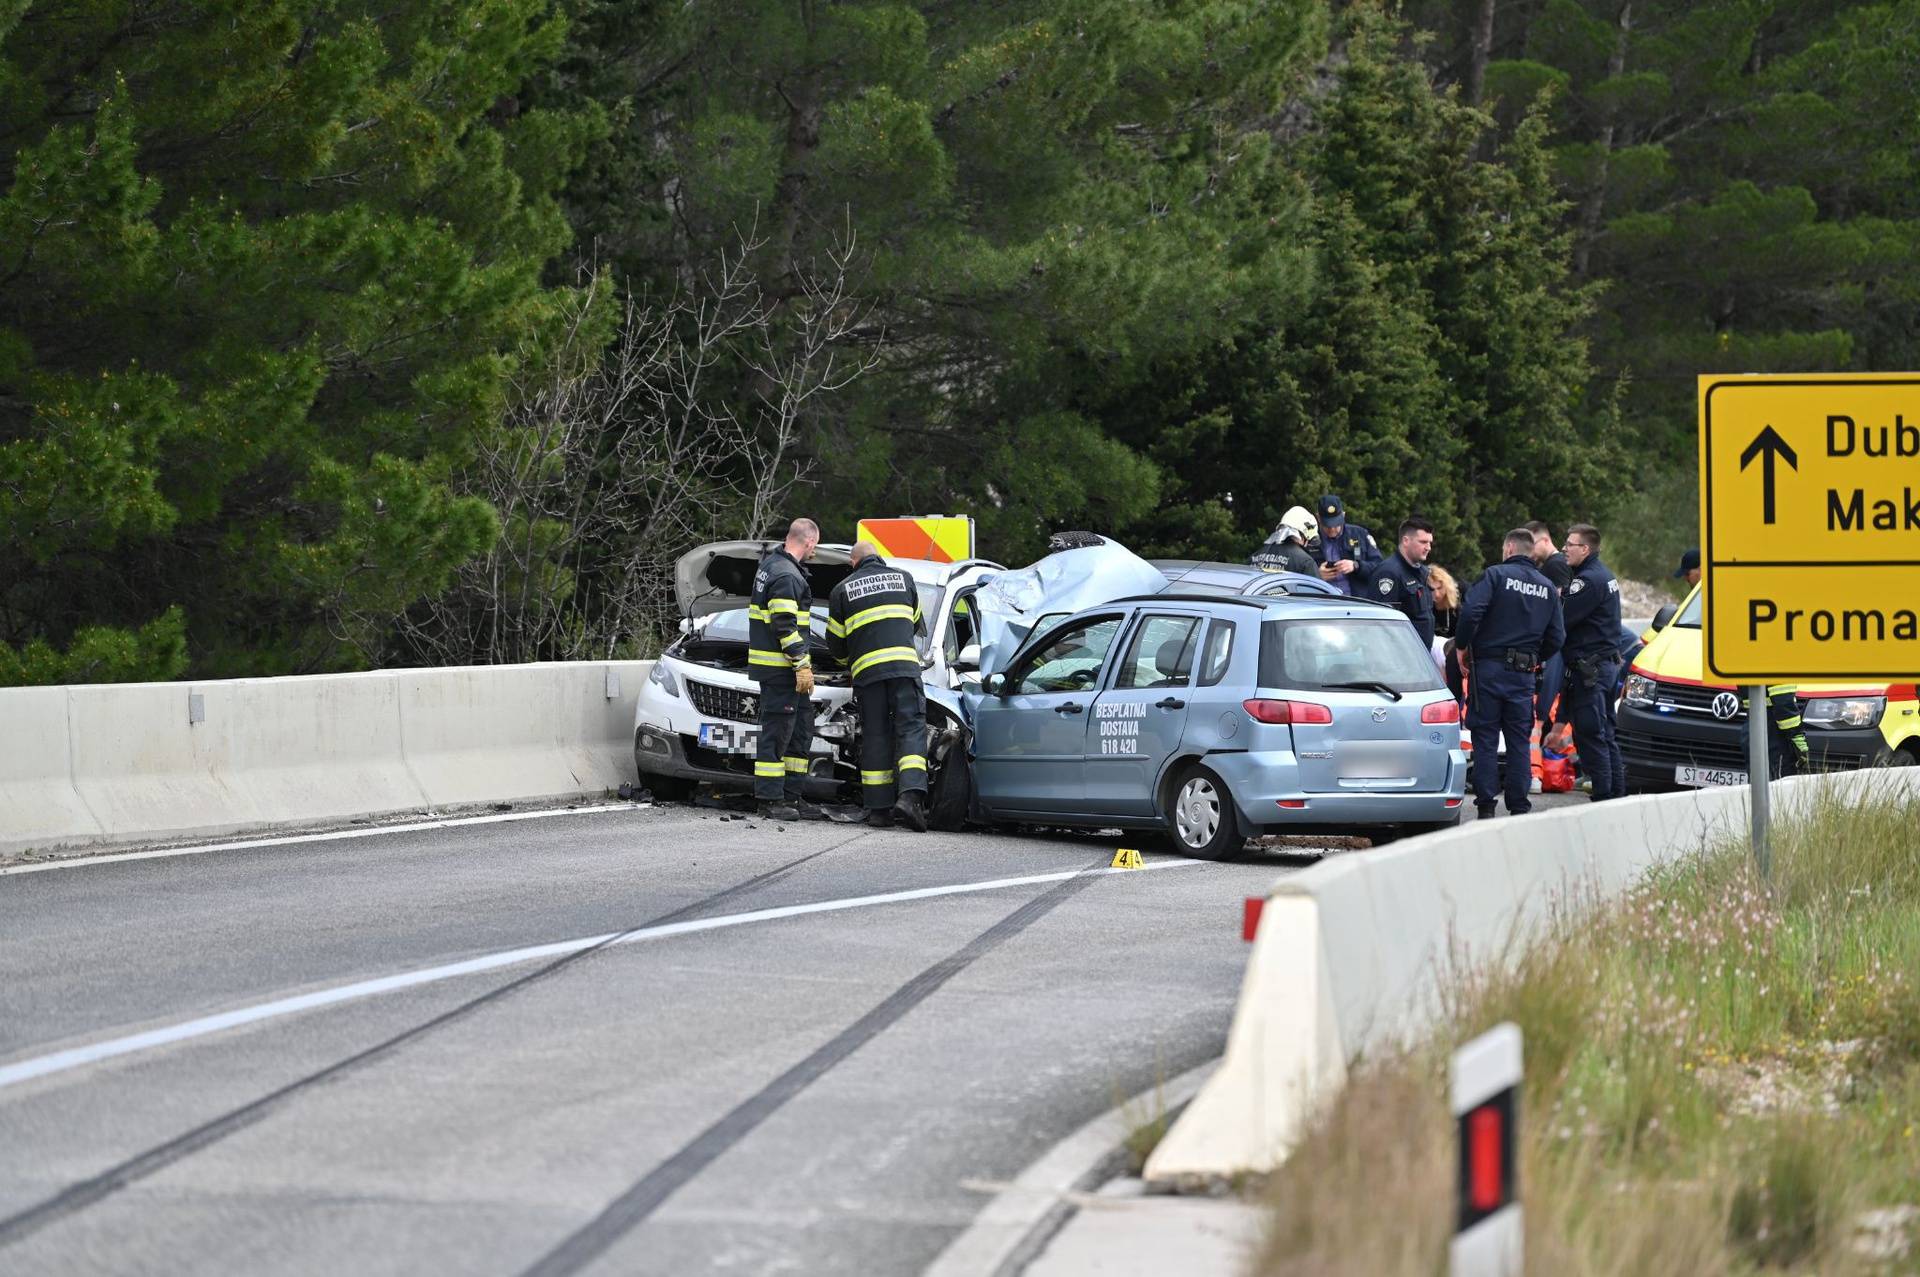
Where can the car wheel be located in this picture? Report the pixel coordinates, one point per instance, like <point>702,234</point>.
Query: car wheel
<point>670,789</point>
<point>951,790</point>
<point>1902,757</point>
<point>1201,819</point>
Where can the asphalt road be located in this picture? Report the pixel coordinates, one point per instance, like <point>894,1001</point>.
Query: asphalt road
<point>808,1093</point>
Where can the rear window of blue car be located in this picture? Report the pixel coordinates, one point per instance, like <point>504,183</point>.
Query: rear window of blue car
<point>1333,653</point>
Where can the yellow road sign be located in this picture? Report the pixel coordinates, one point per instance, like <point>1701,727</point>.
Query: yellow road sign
<point>1810,525</point>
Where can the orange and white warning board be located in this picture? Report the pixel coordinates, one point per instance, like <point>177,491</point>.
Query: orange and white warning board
<point>937,538</point>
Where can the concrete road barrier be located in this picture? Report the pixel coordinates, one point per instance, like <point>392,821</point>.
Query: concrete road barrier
<point>37,799</point>
<point>1353,954</point>
<point>140,762</point>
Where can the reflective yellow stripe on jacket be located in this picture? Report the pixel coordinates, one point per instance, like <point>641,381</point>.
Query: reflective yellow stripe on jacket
<point>884,612</point>
<point>881,656</point>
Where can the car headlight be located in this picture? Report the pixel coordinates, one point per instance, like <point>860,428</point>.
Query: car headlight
<point>1640,690</point>
<point>1849,711</point>
<point>662,677</point>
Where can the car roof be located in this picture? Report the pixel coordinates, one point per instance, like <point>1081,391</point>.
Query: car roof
<point>1309,605</point>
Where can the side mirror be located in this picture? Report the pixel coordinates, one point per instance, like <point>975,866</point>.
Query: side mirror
<point>1664,617</point>
<point>969,658</point>
<point>994,685</point>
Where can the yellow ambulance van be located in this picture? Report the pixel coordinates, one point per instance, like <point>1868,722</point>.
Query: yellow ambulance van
<point>1680,727</point>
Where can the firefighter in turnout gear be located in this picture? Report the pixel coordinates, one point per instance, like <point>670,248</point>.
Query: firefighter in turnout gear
<point>873,620</point>
<point>1787,752</point>
<point>779,624</point>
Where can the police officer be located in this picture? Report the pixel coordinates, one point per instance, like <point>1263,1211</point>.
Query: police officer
<point>1509,623</point>
<point>1400,579</point>
<point>873,618</point>
<point>1286,550</point>
<point>1591,606</point>
<point>1346,549</point>
<point>779,625</point>
<point>1787,752</point>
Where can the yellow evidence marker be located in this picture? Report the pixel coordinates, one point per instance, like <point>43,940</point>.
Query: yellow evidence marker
<point>1125,858</point>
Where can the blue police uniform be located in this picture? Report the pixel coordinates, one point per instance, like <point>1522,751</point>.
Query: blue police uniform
<point>1510,621</point>
<point>1403,585</point>
<point>1351,542</point>
<point>1591,607</point>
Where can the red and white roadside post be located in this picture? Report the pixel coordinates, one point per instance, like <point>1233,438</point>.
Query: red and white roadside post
<point>1484,1080</point>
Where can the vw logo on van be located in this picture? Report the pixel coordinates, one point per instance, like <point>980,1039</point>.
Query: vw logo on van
<point>1725,706</point>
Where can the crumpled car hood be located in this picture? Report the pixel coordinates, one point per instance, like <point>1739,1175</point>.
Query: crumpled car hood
<point>1065,581</point>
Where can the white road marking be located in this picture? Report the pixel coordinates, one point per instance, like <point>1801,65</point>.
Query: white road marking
<point>75,1057</point>
<point>288,840</point>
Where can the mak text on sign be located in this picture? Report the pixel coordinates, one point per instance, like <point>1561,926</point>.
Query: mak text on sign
<point>1810,525</point>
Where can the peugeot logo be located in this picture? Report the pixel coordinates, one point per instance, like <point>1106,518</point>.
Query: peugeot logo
<point>1379,716</point>
<point>1725,706</point>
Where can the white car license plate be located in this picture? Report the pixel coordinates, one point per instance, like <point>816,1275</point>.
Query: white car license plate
<point>728,739</point>
<point>1686,774</point>
<point>1388,763</point>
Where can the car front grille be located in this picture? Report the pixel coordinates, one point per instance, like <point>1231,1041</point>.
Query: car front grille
<point>1691,698</point>
<point>1646,747</point>
<point>724,702</point>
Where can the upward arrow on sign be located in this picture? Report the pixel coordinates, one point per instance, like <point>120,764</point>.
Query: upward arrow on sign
<point>1767,445</point>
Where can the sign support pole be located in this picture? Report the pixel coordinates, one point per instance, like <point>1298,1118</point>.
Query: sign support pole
<point>1758,727</point>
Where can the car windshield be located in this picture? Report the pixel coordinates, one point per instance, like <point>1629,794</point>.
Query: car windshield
<point>1689,618</point>
<point>1333,653</point>
<point>931,598</point>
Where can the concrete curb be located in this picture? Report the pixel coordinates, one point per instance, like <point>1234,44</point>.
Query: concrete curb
<point>1012,1228</point>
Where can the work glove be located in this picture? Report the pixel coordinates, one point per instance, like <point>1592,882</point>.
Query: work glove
<point>803,679</point>
<point>1800,748</point>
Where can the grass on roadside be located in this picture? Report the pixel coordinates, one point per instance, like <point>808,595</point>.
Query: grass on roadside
<point>1719,1079</point>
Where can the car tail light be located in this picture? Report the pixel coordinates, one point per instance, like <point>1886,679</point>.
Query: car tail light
<point>1454,802</point>
<point>1292,804</point>
<point>1285,712</point>
<point>1441,712</point>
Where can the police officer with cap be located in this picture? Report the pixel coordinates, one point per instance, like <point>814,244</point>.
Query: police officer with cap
<point>873,619</point>
<point>1400,580</point>
<point>1509,622</point>
<point>779,628</point>
<point>1345,548</point>
<point>1689,569</point>
<point>1591,607</point>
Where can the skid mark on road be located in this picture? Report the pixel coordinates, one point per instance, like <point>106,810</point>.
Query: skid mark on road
<point>134,1169</point>
<point>631,1208</point>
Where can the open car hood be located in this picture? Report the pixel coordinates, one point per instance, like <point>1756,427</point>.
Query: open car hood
<point>719,575</point>
<point>1065,581</point>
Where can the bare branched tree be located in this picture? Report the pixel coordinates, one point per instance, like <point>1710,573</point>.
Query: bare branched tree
<point>619,457</point>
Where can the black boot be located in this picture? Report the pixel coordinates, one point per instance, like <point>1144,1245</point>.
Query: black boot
<point>909,811</point>
<point>1487,812</point>
<point>781,810</point>
<point>880,818</point>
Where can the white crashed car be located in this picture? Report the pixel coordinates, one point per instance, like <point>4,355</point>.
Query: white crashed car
<point>698,712</point>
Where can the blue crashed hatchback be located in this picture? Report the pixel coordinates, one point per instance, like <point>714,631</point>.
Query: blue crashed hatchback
<point>1218,719</point>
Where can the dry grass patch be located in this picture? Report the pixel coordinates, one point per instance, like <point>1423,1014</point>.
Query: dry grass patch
<point>1722,1077</point>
